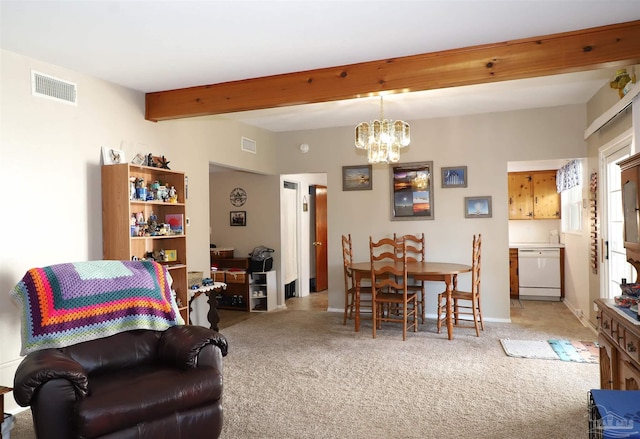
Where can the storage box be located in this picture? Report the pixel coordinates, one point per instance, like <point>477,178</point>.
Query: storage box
<point>611,414</point>
<point>170,255</point>
<point>194,278</point>
<point>235,277</point>
<point>222,253</point>
<point>7,426</point>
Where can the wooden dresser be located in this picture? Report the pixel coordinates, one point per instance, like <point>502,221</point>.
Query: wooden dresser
<point>619,339</point>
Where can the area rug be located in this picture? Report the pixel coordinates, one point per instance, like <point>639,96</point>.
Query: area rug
<point>565,350</point>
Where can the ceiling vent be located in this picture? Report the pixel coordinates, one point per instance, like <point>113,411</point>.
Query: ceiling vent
<point>49,87</point>
<point>249,145</point>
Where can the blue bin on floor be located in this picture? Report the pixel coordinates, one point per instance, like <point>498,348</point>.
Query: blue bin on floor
<point>7,426</point>
<point>614,414</point>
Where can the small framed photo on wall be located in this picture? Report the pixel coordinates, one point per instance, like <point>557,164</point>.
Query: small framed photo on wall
<point>356,178</point>
<point>455,176</point>
<point>477,207</point>
<point>238,218</point>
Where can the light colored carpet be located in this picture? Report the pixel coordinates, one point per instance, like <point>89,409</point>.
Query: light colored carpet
<point>302,374</point>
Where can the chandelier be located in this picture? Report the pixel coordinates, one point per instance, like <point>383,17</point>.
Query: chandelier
<point>382,138</point>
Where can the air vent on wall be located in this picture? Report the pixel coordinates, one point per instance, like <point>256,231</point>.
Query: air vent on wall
<point>53,88</point>
<point>249,145</point>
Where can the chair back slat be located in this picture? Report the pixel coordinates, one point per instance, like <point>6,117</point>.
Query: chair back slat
<point>415,246</point>
<point>388,264</point>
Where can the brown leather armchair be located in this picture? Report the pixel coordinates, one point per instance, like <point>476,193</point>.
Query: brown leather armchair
<point>135,384</point>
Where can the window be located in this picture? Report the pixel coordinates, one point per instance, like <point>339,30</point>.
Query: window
<point>569,182</point>
<point>571,200</point>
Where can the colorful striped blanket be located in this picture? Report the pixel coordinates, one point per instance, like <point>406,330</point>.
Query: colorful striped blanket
<point>70,303</point>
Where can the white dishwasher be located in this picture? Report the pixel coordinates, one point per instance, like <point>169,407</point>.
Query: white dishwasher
<point>539,273</point>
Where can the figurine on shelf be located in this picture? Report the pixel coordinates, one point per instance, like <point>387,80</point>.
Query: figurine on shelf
<point>153,227</point>
<point>173,195</point>
<point>149,161</point>
<point>164,163</point>
<point>132,187</point>
<point>155,186</point>
<point>141,189</point>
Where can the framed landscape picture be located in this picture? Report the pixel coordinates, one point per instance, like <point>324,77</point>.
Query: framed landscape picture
<point>411,191</point>
<point>455,176</point>
<point>356,178</point>
<point>477,207</point>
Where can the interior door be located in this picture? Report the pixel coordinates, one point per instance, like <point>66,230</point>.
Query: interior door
<point>320,243</point>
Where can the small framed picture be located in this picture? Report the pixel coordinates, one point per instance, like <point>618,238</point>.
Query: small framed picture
<point>477,207</point>
<point>138,160</point>
<point>455,176</point>
<point>238,218</point>
<point>112,156</point>
<point>356,178</point>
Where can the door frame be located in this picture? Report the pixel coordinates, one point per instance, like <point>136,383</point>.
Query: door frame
<point>604,152</point>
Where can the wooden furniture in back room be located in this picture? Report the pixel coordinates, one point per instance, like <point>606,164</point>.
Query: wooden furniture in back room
<point>235,273</point>
<point>123,207</point>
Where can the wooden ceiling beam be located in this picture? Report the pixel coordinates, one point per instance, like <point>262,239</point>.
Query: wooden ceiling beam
<point>588,49</point>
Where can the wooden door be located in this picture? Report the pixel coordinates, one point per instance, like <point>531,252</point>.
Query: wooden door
<point>546,200</point>
<point>520,205</point>
<point>320,244</point>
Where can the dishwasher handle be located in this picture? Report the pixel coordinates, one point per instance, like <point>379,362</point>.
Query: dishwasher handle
<point>539,253</point>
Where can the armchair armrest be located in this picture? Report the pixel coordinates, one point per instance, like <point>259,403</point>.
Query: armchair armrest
<point>40,367</point>
<point>181,344</point>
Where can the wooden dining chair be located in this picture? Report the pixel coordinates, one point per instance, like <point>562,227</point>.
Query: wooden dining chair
<point>349,283</point>
<point>389,286</point>
<point>416,253</point>
<point>470,299</point>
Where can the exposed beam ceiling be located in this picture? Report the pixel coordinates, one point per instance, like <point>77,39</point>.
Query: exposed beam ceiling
<point>575,51</point>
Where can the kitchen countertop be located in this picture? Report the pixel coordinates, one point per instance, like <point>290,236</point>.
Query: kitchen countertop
<point>535,245</point>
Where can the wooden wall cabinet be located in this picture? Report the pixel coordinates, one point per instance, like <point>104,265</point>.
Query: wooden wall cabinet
<point>118,209</point>
<point>630,179</point>
<point>619,339</point>
<point>533,195</point>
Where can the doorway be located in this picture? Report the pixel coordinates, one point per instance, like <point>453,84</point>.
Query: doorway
<point>614,257</point>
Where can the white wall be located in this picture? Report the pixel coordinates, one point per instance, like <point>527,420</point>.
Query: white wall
<point>50,174</point>
<point>484,143</point>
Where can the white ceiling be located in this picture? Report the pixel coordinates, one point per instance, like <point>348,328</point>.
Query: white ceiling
<point>161,45</point>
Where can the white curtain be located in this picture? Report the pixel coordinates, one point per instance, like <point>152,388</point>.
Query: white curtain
<point>570,175</point>
<point>290,250</point>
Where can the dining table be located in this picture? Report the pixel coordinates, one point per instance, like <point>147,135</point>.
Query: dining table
<point>422,270</point>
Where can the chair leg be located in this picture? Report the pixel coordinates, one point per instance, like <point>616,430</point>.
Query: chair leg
<point>475,317</point>
<point>374,315</point>
<point>480,315</point>
<point>422,305</point>
<point>439,313</point>
<point>347,307</point>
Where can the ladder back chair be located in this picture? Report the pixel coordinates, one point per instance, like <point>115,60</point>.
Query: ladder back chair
<point>470,305</point>
<point>416,253</point>
<point>349,283</point>
<point>389,286</point>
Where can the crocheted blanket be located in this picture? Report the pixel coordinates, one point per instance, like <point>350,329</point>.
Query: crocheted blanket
<point>70,303</point>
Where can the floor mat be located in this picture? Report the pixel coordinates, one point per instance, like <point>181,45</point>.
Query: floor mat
<point>565,350</point>
<point>539,349</point>
<point>578,351</point>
